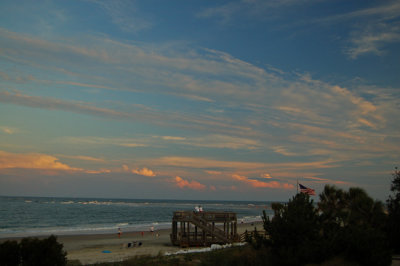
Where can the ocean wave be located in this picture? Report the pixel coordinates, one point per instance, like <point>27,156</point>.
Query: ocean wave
<point>81,230</point>
<point>67,202</point>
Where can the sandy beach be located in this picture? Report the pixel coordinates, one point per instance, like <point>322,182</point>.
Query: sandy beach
<point>90,249</point>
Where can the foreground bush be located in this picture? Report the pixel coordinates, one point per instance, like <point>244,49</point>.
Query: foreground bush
<point>10,253</point>
<point>393,203</point>
<point>33,251</point>
<point>348,225</point>
<point>294,232</point>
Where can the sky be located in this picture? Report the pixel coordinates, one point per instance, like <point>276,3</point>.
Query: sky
<point>202,100</point>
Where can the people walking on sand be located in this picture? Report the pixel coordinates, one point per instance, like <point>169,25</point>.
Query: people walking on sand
<point>119,232</point>
<point>196,209</point>
<point>152,230</point>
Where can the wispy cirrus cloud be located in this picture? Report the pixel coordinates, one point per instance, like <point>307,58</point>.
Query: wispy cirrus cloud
<point>83,158</point>
<point>102,141</point>
<point>215,141</point>
<point>380,27</point>
<point>261,108</point>
<point>373,39</point>
<point>255,9</point>
<point>124,14</point>
<point>210,164</point>
<point>58,104</point>
<point>144,115</point>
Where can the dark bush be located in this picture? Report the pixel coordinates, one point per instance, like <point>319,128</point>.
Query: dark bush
<point>294,232</point>
<point>364,245</point>
<point>42,252</point>
<point>32,252</point>
<point>10,253</point>
<point>393,205</point>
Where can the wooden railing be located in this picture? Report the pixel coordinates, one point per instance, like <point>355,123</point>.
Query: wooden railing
<point>248,234</point>
<point>213,230</point>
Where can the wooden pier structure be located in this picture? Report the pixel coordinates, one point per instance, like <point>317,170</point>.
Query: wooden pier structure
<point>203,228</point>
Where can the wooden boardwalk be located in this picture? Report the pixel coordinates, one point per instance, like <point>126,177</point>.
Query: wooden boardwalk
<point>203,228</point>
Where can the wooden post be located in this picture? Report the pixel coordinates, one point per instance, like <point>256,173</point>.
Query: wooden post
<point>188,234</point>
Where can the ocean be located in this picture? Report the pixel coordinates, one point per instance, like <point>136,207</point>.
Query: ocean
<point>36,216</point>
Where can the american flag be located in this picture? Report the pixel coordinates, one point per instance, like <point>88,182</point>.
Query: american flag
<point>307,190</point>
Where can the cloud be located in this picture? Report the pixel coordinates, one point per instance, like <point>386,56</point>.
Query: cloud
<point>372,39</point>
<point>210,172</point>
<point>216,141</point>
<point>266,175</point>
<point>328,181</point>
<point>209,163</point>
<point>122,142</point>
<point>146,116</point>
<point>131,145</point>
<point>144,172</point>
<point>101,171</point>
<point>260,184</point>
<point>172,138</point>
<point>228,13</point>
<point>46,164</point>
<point>8,130</point>
<point>182,183</point>
<point>125,168</point>
<point>124,15</point>
<point>33,161</point>
<point>83,158</point>
<point>292,113</point>
<point>373,29</point>
<point>282,150</point>
<point>58,104</point>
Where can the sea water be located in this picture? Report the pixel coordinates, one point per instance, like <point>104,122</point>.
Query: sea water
<point>35,216</point>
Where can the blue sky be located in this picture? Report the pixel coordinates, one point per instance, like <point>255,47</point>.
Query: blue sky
<point>230,100</point>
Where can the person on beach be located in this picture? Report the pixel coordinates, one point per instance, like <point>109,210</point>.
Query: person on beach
<point>119,232</point>
<point>152,230</point>
<point>196,209</point>
<point>200,209</point>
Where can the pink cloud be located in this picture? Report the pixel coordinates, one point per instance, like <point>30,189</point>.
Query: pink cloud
<point>213,172</point>
<point>101,171</point>
<point>144,172</point>
<point>182,183</point>
<point>260,184</point>
<point>266,175</point>
<point>33,161</point>
<point>46,164</point>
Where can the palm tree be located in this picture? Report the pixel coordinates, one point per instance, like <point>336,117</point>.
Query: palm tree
<point>331,205</point>
<point>363,210</point>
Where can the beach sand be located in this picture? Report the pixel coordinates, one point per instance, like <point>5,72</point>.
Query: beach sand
<point>89,249</point>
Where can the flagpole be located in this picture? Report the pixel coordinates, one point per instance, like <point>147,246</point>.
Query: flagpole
<point>297,186</point>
